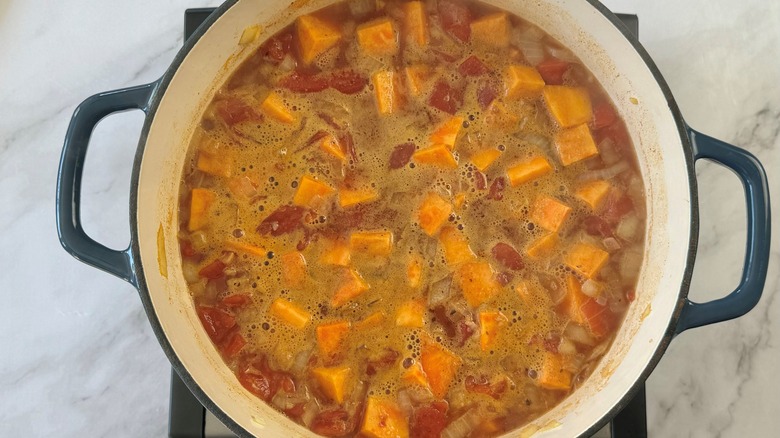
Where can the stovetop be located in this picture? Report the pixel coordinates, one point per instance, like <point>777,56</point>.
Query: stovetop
<point>189,419</point>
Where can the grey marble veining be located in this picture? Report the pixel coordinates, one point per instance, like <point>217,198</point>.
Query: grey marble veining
<point>79,358</point>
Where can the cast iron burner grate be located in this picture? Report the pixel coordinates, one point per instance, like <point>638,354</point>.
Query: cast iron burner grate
<point>189,419</point>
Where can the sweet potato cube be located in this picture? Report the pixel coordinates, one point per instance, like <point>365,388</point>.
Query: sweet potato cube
<point>273,106</point>
<point>348,198</point>
<point>484,158</point>
<point>383,419</point>
<point>584,310</point>
<point>351,286</point>
<point>416,76</point>
<point>528,170</point>
<point>247,248</point>
<point>290,313</point>
<point>489,324</point>
<point>433,213</point>
<point>310,192</point>
<point>477,282</point>
<point>410,314</point>
<point>492,30</point>
<point>549,213</point>
<point>586,259</point>
<point>593,192</point>
<point>553,375</point>
<point>414,375</point>
<point>455,245</point>
<point>522,81</point>
<point>575,144</point>
<point>371,321</point>
<point>543,246</point>
<point>201,200</point>
<point>447,132</point>
<point>216,164</point>
<point>330,338</point>
<point>415,22</point>
<point>459,200</point>
<point>336,253</point>
<point>440,366</point>
<point>437,155</point>
<point>570,106</point>
<point>315,37</point>
<point>293,269</point>
<point>387,92</point>
<point>372,242</point>
<point>330,145</point>
<point>333,381</point>
<point>377,37</point>
<point>414,272</point>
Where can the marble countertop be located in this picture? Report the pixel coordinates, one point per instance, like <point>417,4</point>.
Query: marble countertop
<point>79,357</point>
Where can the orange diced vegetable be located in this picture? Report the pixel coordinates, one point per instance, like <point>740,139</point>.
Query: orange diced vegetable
<point>483,159</point>
<point>542,246</point>
<point>460,199</point>
<point>416,75</point>
<point>553,375</point>
<point>371,321</point>
<point>447,132</point>
<point>528,170</point>
<point>290,313</point>
<point>336,253</point>
<point>586,259</point>
<point>331,145</point>
<point>348,198</point>
<point>440,366</point>
<point>414,272</point>
<point>247,248</point>
<point>416,22</point>
<point>315,37</point>
<point>333,381</point>
<point>201,200</point>
<point>415,375</point>
<point>383,419</point>
<point>310,192</point>
<point>274,107</point>
<point>330,338</point>
<point>522,81</point>
<point>388,95</point>
<point>489,324</point>
<point>433,213</point>
<point>216,164</point>
<point>456,247</point>
<point>575,144</point>
<point>372,242</point>
<point>377,37</point>
<point>477,282</point>
<point>410,314</point>
<point>549,213</point>
<point>492,29</point>
<point>293,269</point>
<point>570,106</point>
<point>584,310</point>
<point>593,193</point>
<point>351,286</point>
<point>438,155</point>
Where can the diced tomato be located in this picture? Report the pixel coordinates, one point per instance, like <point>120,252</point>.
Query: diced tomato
<point>283,220</point>
<point>603,115</point>
<point>486,94</point>
<point>384,360</point>
<point>507,256</point>
<point>446,98</point>
<point>497,189</point>
<point>596,226</point>
<point>440,313</point>
<point>552,70</point>
<point>277,47</point>
<point>216,322</point>
<point>616,207</point>
<point>213,270</point>
<point>234,110</point>
<point>256,383</point>
<point>455,19</point>
<point>549,342</point>
<point>296,410</point>
<point>347,81</point>
<point>429,421</point>
<point>480,180</point>
<point>464,332</point>
<point>504,278</point>
<point>304,83</point>
<point>619,135</point>
<point>187,250</point>
<point>259,379</point>
<point>234,345</point>
<point>333,423</point>
<point>482,385</point>
<point>401,155</point>
<point>472,66</point>
<point>237,300</point>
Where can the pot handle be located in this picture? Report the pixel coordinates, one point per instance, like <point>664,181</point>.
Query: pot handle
<point>753,177</point>
<point>71,234</point>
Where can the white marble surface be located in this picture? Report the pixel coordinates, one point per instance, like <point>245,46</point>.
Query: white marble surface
<point>79,358</point>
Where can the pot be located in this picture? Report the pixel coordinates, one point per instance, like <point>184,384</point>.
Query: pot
<point>667,149</point>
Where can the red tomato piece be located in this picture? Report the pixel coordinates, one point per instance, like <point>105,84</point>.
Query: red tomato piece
<point>256,383</point>
<point>304,83</point>
<point>429,421</point>
<point>480,180</point>
<point>277,47</point>
<point>187,250</point>
<point>497,189</point>
<point>464,332</point>
<point>472,66</point>
<point>333,423</point>
<point>401,155</point>
<point>216,322</point>
<point>234,345</point>
<point>296,410</point>
<point>237,300</point>
<point>504,278</point>
<point>455,19</point>
<point>482,385</point>
<point>446,98</point>
<point>213,270</point>
<point>486,94</point>
<point>616,207</point>
<point>347,81</point>
<point>596,226</point>
<point>507,256</point>
<point>234,110</point>
<point>603,115</point>
<point>283,220</point>
<point>552,70</point>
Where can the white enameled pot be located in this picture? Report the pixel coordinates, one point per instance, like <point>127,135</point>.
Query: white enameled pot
<point>666,148</point>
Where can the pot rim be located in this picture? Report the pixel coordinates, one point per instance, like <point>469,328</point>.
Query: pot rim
<point>154,103</point>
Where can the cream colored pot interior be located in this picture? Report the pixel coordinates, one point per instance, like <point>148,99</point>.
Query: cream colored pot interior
<point>573,22</point>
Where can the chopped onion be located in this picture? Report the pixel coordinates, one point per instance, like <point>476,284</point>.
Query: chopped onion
<point>463,426</point>
<point>599,350</point>
<point>630,264</point>
<point>199,241</point>
<point>578,334</point>
<point>608,152</point>
<point>618,306</point>
<point>287,64</point>
<point>300,362</point>
<point>611,244</point>
<point>553,287</point>
<point>574,363</point>
<point>605,173</point>
<point>591,288</point>
<point>358,8</point>
<point>567,347</point>
<point>529,42</point>
<point>405,402</point>
<point>190,271</point>
<point>563,55</point>
<point>227,257</point>
<point>309,412</point>
<point>440,291</point>
<point>601,300</point>
<point>628,227</point>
